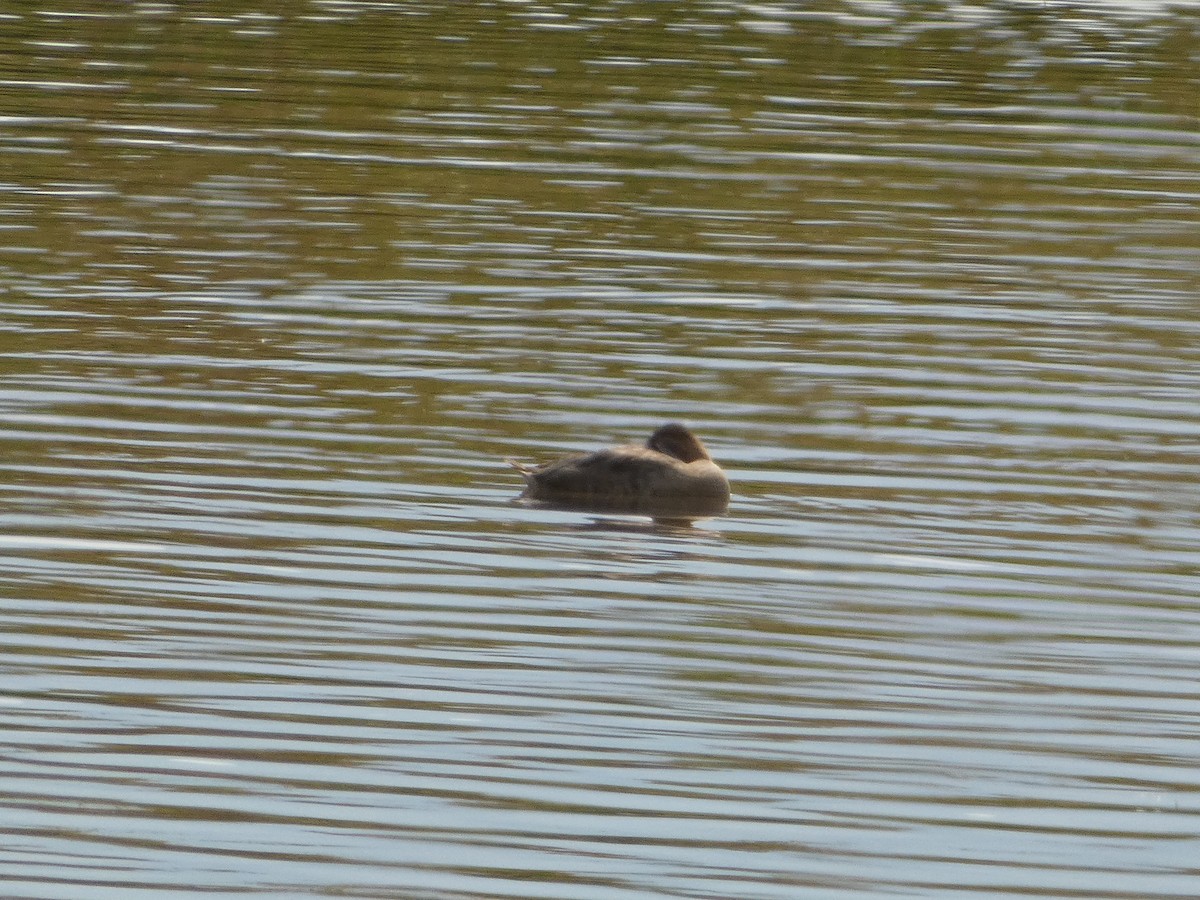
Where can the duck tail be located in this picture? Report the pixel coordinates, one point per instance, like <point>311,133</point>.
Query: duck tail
<point>525,469</point>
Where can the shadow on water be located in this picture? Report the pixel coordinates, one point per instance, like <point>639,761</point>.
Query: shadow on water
<point>668,516</point>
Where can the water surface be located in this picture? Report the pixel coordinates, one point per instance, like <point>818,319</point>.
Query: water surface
<point>282,292</point>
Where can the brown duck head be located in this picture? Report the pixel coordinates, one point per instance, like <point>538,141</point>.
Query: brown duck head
<point>677,441</point>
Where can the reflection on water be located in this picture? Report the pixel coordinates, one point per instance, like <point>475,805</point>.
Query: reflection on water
<point>282,293</point>
<point>671,513</point>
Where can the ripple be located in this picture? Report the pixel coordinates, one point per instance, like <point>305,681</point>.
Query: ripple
<point>273,620</point>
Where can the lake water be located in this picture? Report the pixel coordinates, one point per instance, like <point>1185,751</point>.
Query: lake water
<point>281,292</point>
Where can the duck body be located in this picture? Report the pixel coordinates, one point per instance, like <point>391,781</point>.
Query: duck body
<point>673,468</point>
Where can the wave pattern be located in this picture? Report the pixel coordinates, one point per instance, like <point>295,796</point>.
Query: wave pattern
<point>272,620</point>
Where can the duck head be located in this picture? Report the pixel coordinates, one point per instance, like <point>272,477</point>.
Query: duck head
<point>675,440</point>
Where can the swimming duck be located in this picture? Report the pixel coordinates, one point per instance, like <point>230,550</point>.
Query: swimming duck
<point>673,468</point>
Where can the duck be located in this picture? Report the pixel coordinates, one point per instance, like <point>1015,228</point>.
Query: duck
<point>673,468</point>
